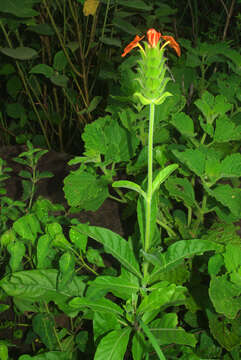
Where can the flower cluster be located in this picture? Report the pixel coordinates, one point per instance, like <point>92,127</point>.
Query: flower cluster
<point>152,68</point>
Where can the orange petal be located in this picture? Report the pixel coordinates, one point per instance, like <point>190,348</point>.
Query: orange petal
<point>132,44</point>
<point>153,37</point>
<point>173,44</point>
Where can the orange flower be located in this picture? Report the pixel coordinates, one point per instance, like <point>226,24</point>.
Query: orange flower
<point>172,43</point>
<point>133,44</point>
<point>153,37</point>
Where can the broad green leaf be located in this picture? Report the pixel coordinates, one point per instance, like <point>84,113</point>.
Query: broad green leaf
<point>113,345</point>
<point>93,256</point>
<point>166,331</point>
<point>157,298</point>
<point>232,257</point>
<point>228,196</point>
<point>118,286</point>
<point>181,189</point>
<point>60,61</point>
<point>50,355</point>
<point>177,252</point>
<point>78,239</point>
<point>27,227</point>
<point>17,252</point>
<point>138,345</point>
<point>124,25</point>
<point>15,110</point>
<point>225,296</point>
<point>152,340</point>
<point>59,80</point>
<point>41,285</point>
<point>113,244</point>
<point>194,159</point>
<point>20,53</point>
<point>102,305</point>
<point>66,269</point>
<point>162,176</point>
<point>3,351</point>
<point>43,69</point>
<point>183,123</point>
<point>135,4</point>
<point>129,185</point>
<point>105,136</point>
<point>42,29</point>
<point>102,324</point>
<point>111,41</point>
<point>43,248</point>
<point>226,130</point>
<point>226,332</point>
<point>231,166</point>
<point>85,190</point>
<point>81,340</point>
<point>19,8</point>
<point>43,325</point>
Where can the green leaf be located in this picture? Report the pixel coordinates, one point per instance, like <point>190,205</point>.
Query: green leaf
<point>228,196</point>
<point>111,41</point>
<point>183,123</point>
<point>129,185</point>
<point>225,296</point>
<point>81,340</point>
<point>41,285</point>
<point>103,324</point>
<point>50,355</point>
<point>157,298</point>
<point>78,239</point>
<point>102,305</point>
<point>152,339</point>
<point>66,269</point>
<point>177,252</point>
<point>43,69</point>
<point>43,325</point>
<point>43,252</point>
<point>226,130</point>
<point>124,25</point>
<point>113,345</point>
<point>17,251</point>
<point>93,256</point>
<point>19,8</point>
<point>135,4</point>
<point>105,136</point>
<point>166,331</point>
<point>20,53</point>
<point>232,257</point>
<point>226,332</point>
<point>42,29</point>
<point>194,159</point>
<point>15,110</point>
<point>162,176</point>
<point>27,227</point>
<point>231,166</point>
<point>138,345</point>
<point>60,80</point>
<point>60,61</point>
<point>118,286</point>
<point>181,189</point>
<point>113,244</point>
<point>3,352</point>
<point>85,190</point>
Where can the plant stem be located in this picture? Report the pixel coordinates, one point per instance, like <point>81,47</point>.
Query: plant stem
<point>149,184</point>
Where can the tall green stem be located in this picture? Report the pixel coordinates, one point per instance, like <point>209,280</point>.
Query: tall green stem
<point>149,183</point>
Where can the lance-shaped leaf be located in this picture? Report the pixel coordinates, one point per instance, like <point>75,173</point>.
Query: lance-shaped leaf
<point>102,305</point>
<point>129,185</point>
<point>179,251</point>
<point>113,345</point>
<point>113,244</point>
<point>162,176</point>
